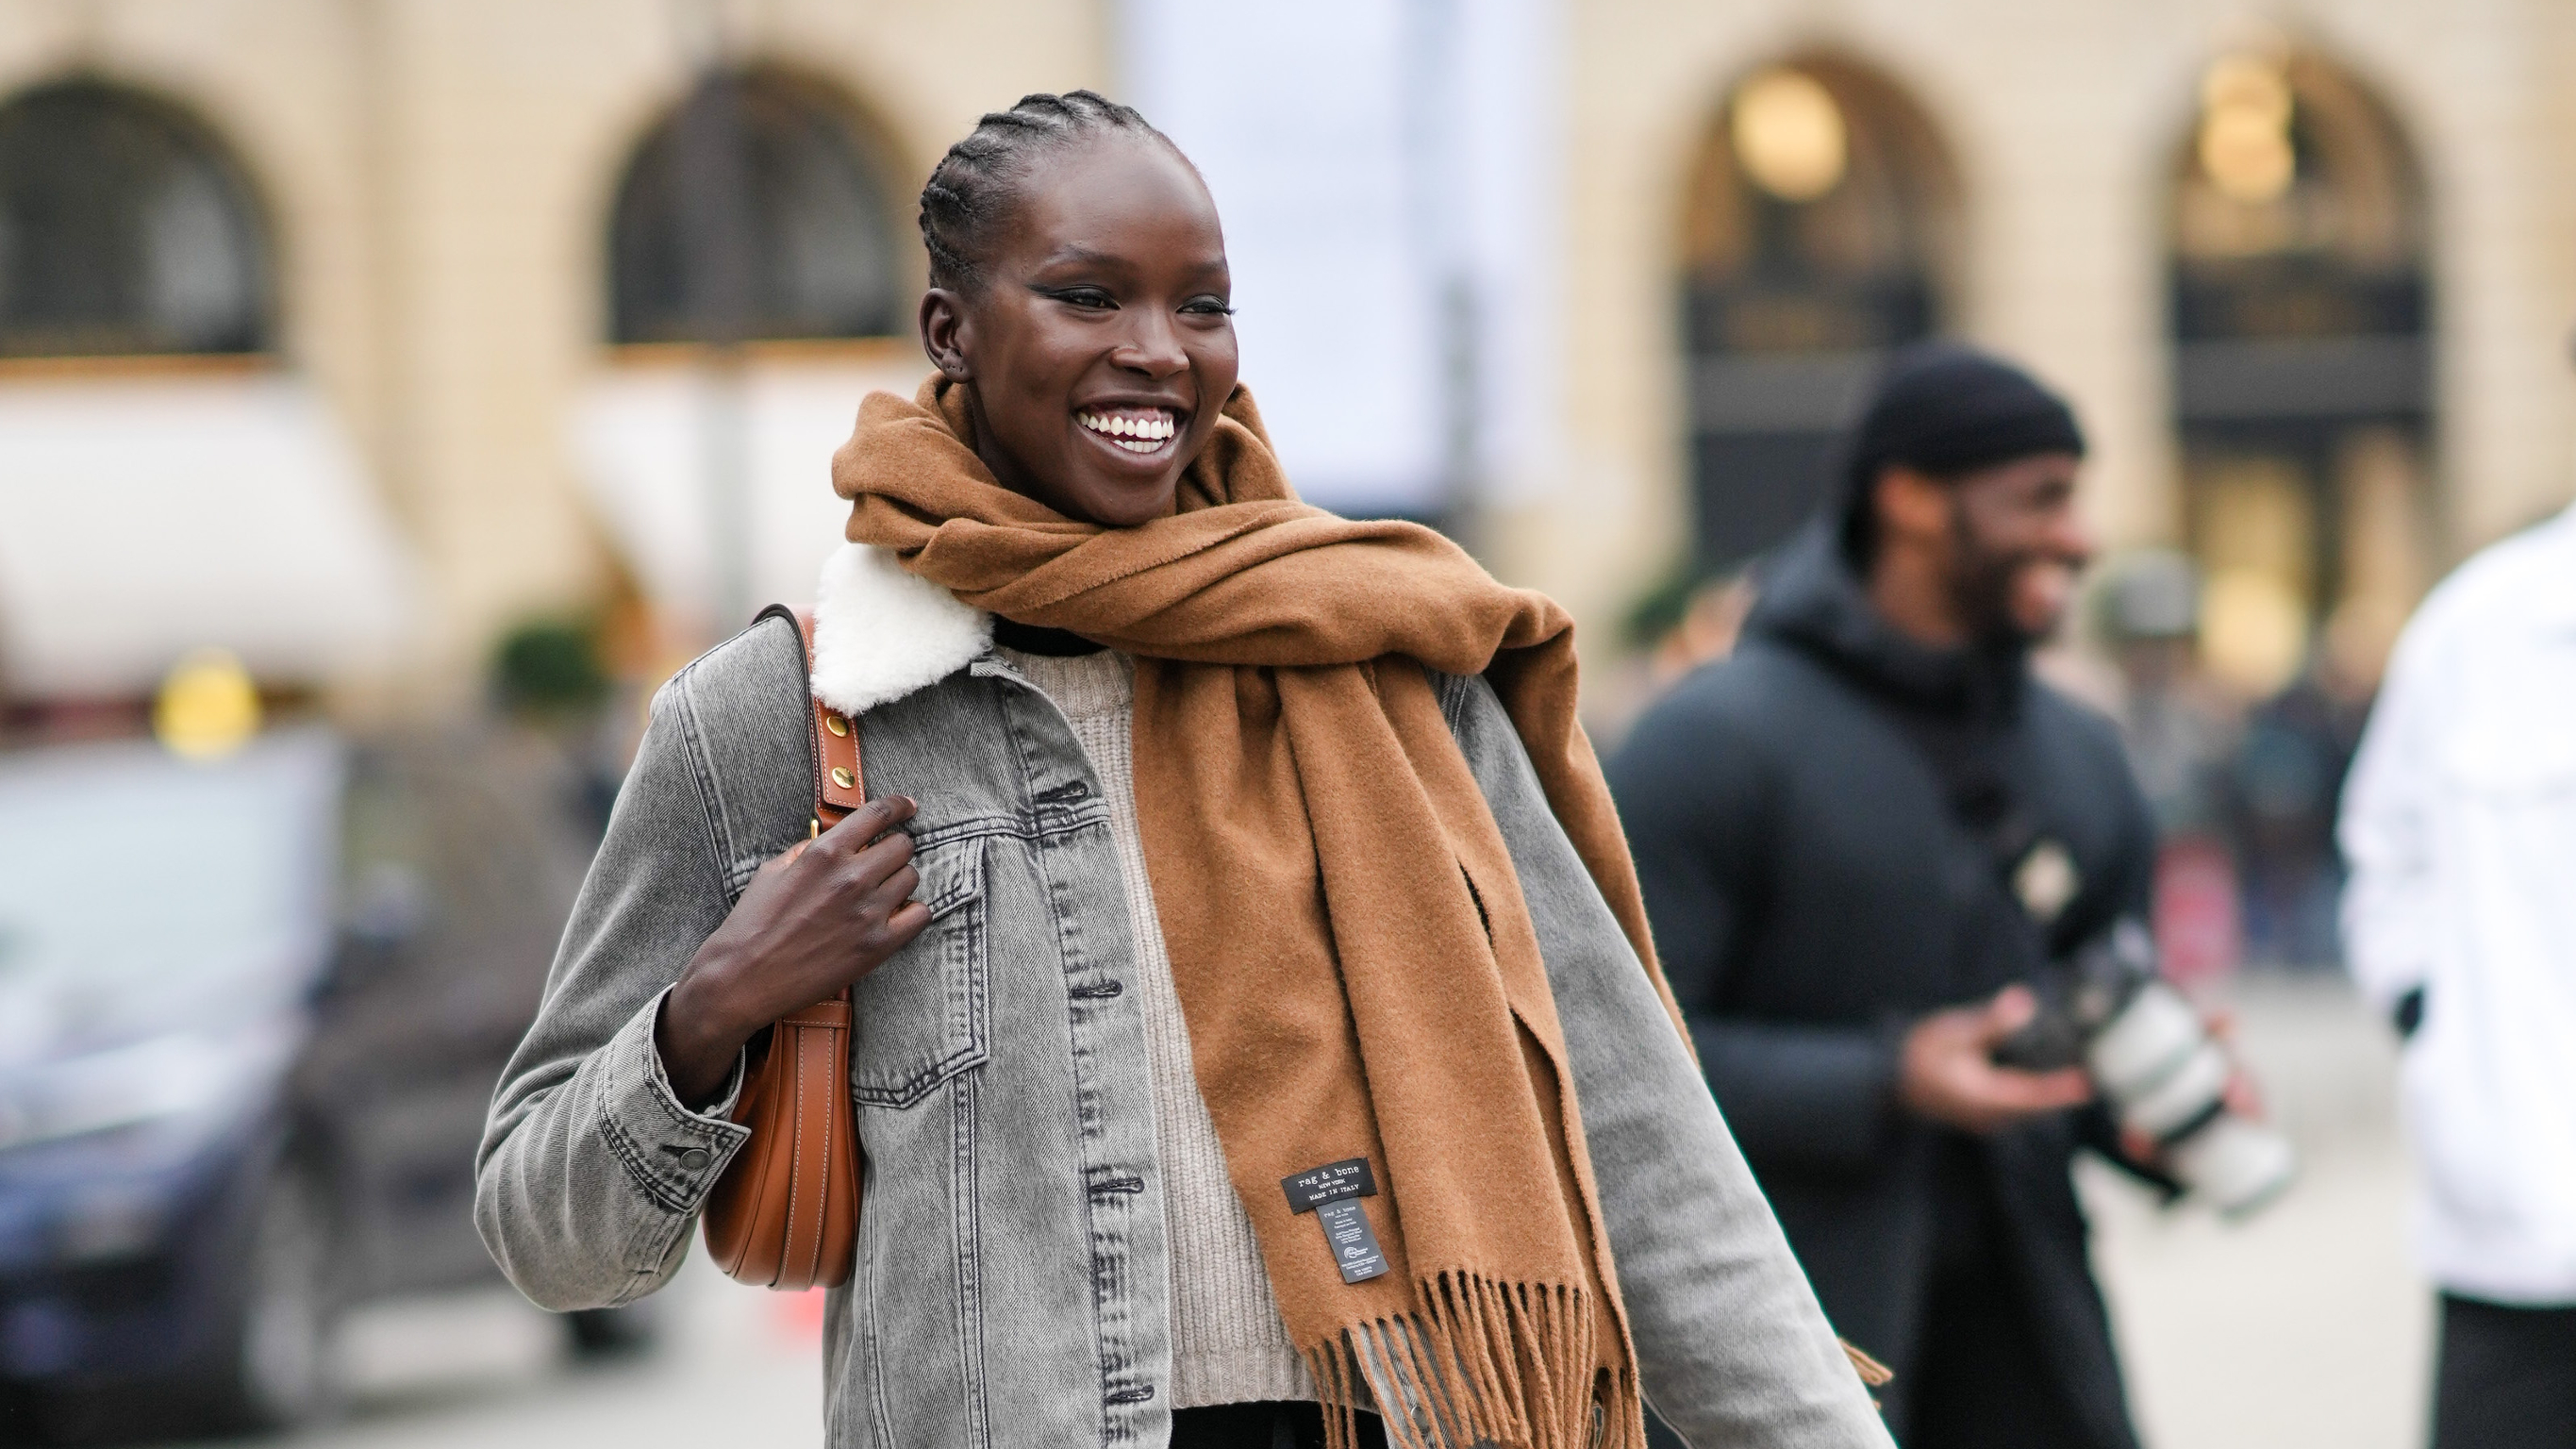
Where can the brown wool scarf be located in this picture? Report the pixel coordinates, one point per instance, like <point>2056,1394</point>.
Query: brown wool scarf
<point>1353,956</point>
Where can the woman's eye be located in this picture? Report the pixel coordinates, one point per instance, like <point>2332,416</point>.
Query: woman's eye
<point>1088,298</point>
<point>1207,307</point>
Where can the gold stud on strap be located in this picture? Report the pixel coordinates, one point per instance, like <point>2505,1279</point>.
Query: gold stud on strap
<point>841,776</point>
<point>836,724</point>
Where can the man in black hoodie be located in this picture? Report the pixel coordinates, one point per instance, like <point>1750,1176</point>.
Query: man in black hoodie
<point>1857,837</point>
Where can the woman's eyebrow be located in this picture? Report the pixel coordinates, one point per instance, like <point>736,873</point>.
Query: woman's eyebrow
<point>1074,255</point>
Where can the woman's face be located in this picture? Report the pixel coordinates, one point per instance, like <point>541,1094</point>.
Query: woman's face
<point>1098,344</point>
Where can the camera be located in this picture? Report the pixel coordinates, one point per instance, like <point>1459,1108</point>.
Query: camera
<point>2107,1009</point>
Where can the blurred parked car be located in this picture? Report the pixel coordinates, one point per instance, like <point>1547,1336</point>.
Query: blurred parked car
<point>250,1015</point>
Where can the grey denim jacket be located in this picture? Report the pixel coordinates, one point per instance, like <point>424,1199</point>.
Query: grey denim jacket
<point>1011,1286</point>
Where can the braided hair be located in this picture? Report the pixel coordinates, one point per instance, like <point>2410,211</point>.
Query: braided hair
<point>972,186</point>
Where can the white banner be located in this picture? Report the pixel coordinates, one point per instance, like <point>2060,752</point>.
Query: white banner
<point>1386,173</point>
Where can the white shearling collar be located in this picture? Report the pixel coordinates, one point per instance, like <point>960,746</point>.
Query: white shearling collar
<point>880,633</point>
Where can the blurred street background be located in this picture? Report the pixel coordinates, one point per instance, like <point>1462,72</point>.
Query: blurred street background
<point>394,392</point>
<point>2303,1327</point>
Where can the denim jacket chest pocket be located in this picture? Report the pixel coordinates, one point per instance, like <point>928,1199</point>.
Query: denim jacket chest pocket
<point>921,1018</point>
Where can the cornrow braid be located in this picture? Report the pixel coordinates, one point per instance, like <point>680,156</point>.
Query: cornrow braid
<point>973,185</point>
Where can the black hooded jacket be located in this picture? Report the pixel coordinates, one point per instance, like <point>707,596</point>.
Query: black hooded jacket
<point>1814,891</point>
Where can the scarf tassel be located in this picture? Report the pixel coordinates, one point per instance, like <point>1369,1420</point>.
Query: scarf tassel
<point>1481,1363</point>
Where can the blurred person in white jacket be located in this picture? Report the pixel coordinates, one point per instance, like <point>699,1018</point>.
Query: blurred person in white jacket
<point>2459,824</point>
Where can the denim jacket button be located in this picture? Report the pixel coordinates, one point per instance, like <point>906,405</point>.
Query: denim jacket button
<point>695,1158</point>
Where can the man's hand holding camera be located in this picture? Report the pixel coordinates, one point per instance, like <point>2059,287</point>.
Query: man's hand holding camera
<point>1946,1070</point>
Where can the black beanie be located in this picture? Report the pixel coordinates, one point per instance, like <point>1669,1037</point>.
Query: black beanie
<point>1945,409</point>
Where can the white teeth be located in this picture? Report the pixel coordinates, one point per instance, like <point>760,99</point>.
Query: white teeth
<point>1136,435</point>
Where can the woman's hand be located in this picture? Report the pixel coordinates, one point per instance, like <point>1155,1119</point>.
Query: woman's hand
<point>814,919</point>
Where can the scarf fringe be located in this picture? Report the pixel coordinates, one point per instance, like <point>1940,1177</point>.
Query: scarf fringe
<point>1510,1364</point>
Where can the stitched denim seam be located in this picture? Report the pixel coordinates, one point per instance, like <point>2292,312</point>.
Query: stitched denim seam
<point>630,1155</point>
<point>674,1192</point>
<point>966,1208</point>
<point>702,775</point>
<point>640,1282</point>
<point>975,929</point>
<point>661,1242</point>
<point>1452,692</point>
<point>917,1086</point>
<point>872,1341</point>
<point>1083,1100</point>
<point>1004,827</point>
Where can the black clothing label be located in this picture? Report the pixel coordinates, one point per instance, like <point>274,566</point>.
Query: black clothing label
<point>1317,1186</point>
<point>1354,1244</point>
<point>1332,1193</point>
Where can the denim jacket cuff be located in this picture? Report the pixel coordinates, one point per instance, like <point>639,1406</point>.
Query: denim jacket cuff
<point>672,1154</point>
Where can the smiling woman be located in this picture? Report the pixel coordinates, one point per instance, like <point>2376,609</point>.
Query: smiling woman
<point>1092,331</point>
<point>1238,904</point>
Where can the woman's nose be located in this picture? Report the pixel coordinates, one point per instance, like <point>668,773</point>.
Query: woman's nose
<point>1151,347</point>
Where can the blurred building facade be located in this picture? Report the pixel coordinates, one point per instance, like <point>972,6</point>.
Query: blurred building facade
<point>450,234</point>
<point>2309,273</point>
<point>452,275</point>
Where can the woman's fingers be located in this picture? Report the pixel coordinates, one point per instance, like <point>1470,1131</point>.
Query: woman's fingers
<point>888,895</point>
<point>909,919</point>
<point>782,860</point>
<point>862,827</point>
<point>877,864</point>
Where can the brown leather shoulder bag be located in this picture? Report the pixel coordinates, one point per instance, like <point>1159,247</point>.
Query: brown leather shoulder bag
<point>785,1214</point>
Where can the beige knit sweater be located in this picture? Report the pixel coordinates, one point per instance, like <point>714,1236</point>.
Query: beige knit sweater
<point>1228,1343</point>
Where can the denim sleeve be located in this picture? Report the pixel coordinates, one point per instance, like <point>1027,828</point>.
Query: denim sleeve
<point>1731,1345</point>
<point>591,1172</point>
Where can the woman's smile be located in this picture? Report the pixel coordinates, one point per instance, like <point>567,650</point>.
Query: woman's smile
<point>1143,431</point>
<point>1097,344</point>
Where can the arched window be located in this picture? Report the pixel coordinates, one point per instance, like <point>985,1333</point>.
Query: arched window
<point>1818,232</point>
<point>752,211</point>
<point>124,228</point>
<point>2301,312</point>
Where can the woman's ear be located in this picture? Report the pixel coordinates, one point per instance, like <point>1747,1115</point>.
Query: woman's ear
<point>945,333</point>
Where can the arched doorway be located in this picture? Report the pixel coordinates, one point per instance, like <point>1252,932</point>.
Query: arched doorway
<point>125,228</point>
<point>2302,324</point>
<point>1820,230</point>
<point>134,245</point>
<point>755,210</point>
<point>759,283</point>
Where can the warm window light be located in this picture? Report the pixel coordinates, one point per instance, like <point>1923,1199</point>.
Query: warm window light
<point>2253,631</point>
<point>208,706</point>
<point>2245,128</point>
<point>1789,135</point>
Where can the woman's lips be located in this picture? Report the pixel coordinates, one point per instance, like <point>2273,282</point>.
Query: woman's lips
<point>1143,431</point>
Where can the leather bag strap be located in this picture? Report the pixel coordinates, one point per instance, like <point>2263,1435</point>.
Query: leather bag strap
<point>840,785</point>
<point>784,1213</point>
